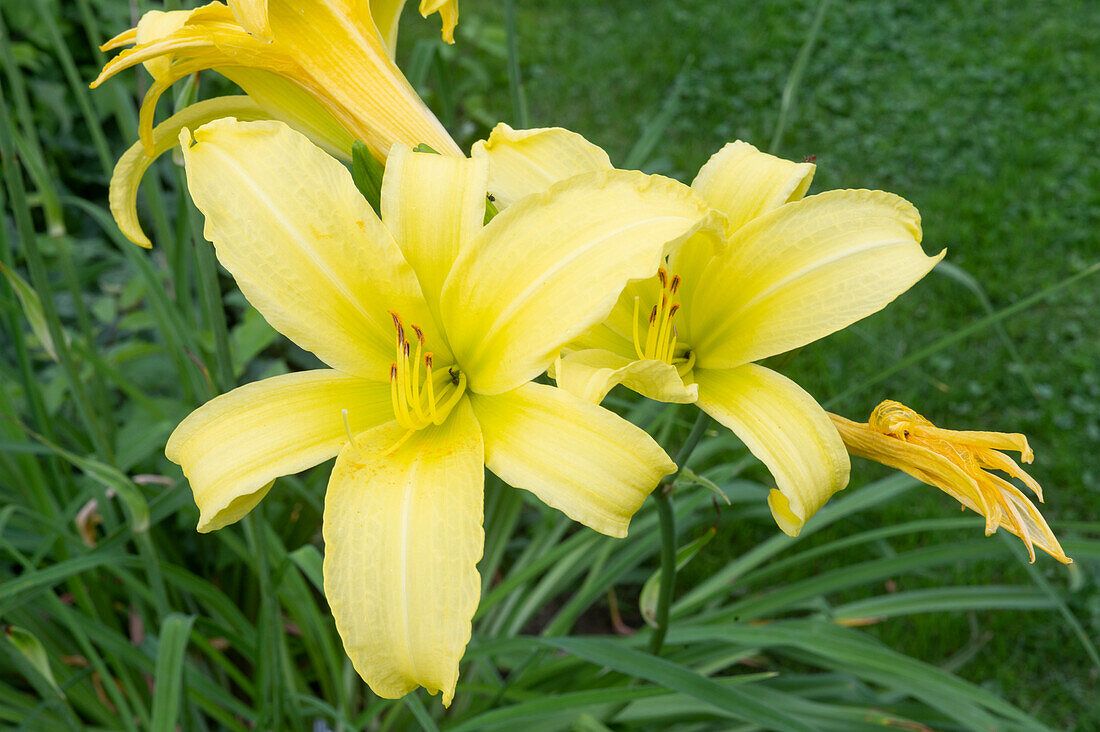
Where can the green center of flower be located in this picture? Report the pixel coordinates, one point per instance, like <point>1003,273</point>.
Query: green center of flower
<point>422,395</point>
<point>660,342</point>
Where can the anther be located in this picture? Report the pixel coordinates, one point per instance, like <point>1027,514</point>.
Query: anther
<point>675,284</point>
<point>393,371</point>
<point>419,333</point>
<point>396,319</point>
<point>662,275</point>
<point>672,311</point>
<point>653,315</point>
<point>405,347</point>
<point>428,361</point>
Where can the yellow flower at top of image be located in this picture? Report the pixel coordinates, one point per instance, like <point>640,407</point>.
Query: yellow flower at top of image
<point>958,463</point>
<point>793,270</point>
<point>434,325</point>
<point>325,67</point>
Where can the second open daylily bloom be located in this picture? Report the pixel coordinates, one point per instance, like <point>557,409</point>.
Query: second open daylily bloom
<point>959,464</point>
<point>325,67</point>
<point>434,326</point>
<point>793,270</point>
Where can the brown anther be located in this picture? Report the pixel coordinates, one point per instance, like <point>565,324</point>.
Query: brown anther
<point>662,276</point>
<point>405,347</point>
<point>672,310</point>
<point>428,360</point>
<point>396,320</point>
<point>419,333</point>
<point>675,284</point>
<point>393,371</point>
<point>653,315</point>
<point>453,375</point>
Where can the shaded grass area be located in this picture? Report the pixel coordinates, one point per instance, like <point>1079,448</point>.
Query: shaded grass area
<point>986,117</point>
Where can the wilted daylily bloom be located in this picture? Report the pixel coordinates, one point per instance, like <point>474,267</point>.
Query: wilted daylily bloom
<point>434,326</point>
<point>793,270</point>
<point>325,67</point>
<point>958,463</point>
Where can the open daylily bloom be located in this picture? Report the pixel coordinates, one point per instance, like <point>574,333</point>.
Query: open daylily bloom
<point>325,68</point>
<point>958,463</point>
<point>434,326</point>
<point>793,270</point>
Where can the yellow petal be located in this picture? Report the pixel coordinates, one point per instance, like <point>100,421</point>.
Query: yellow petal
<point>232,447</point>
<point>342,60</point>
<point>581,459</point>
<point>403,537</point>
<point>433,205</point>
<point>303,245</point>
<point>522,162</point>
<point>134,162</point>
<point>252,15</point>
<point>154,25</point>
<point>551,266</point>
<point>284,100</point>
<point>448,13</point>
<point>591,373</point>
<point>743,183</point>
<point>386,15</point>
<point>803,271</point>
<point>786,430</point>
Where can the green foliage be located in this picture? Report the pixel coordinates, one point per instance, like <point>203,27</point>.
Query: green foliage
<point>885,612</point>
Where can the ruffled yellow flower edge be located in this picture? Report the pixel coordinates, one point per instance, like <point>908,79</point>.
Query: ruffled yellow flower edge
<point>433,324</point>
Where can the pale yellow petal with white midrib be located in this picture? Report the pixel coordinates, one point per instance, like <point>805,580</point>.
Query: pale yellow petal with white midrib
<point>232,447</point>
<point>587,462</point>
<point>787,430</point>
<point>522,162</point>
<point>403,535</point>
<point>308,252</point>
<point>434,205</point>
<point>551,266</point>
<point>803,271</point>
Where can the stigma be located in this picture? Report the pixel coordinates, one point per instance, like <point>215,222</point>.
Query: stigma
<point>660,343</point>
<point>422,394</point>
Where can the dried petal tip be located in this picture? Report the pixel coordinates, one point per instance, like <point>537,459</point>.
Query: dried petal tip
<point>959,464</point>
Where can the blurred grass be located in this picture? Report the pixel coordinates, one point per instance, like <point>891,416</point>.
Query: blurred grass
<point>980,114</point>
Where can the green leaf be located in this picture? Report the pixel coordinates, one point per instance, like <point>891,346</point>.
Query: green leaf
<point>367,174</point>
<point>27,644</point>
<point>32,309</point>
<point>168,690</point>
<point>739,704</point>
<point>647,601</point>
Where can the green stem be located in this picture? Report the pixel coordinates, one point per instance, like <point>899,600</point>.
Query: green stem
<point>515,80</point>
<point>663,497</point>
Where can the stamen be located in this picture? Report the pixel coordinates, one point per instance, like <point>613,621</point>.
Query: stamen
<point>662,277</point>
<point>660,341</point>
<point>347,426</point>
<point>414,397</point>
<point>675,284</point>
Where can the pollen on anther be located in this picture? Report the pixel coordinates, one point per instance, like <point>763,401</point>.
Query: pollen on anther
<point>653,315</point>
<point>675,284</point>
<point>662,276</point>
<point>405,347</point>
<point>672,312</point>
<point>419,333</point>
<point>428,360</point>
<point>393,371</point>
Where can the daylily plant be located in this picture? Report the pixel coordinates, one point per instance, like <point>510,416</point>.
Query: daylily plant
<point>325,67</point>
<point>433,325</point>
<point>958,463</point>
<point>793,270</point>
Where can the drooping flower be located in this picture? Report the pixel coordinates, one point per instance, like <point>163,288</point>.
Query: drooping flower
<point>434,326</point>
<point>324,67</point>
<point>793,270</point>
<point>959,464</point>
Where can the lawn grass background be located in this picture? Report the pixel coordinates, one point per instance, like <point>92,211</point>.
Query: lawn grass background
<point>986,115</point>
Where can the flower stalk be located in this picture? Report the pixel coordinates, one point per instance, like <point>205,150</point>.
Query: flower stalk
<point>663,497</point>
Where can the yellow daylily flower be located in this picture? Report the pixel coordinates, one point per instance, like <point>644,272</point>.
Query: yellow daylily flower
<point>958,463</point>
<point>433,325</point>
<point>325,68</point>
<point>793,270</point>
